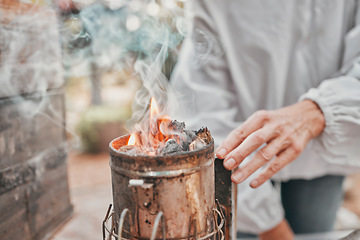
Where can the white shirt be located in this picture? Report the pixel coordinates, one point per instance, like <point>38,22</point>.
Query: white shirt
<point>247,55</point>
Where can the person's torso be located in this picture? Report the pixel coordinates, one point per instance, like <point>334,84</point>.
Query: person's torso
<point>276,51</point>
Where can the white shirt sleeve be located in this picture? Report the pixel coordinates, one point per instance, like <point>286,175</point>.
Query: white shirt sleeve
<point>259,209</point>
<point>208,98</point>
<point>339,100</point>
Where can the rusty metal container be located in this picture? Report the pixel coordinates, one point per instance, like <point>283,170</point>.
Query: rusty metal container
<point>175,194</point>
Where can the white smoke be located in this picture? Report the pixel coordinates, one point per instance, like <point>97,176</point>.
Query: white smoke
<point>31,75</point>
<point>111,35</point>
<point>141,35</point>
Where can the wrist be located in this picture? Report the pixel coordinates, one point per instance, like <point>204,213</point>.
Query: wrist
<point>314,117</point>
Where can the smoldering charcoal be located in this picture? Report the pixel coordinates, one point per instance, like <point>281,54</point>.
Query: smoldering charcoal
<point>171,146</point>
<point>176,140</point>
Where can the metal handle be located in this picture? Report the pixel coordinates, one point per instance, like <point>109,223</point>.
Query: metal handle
<point>139,183</point>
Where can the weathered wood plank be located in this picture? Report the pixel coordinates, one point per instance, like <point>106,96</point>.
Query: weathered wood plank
<point>29,126</point>
<point>13,215</point>
<point>32,210</point>
<point>48,200</point>
<point>30,51</point>
<point>32,169</point>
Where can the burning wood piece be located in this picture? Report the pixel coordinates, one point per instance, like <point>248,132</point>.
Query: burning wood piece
<point>197,144</point>
<point>159,135</point>
<point>177,126</point>
<point>169,129</point>
<point>190,137</point>
<point>171,146</point>
<point>203,137</point>
<point>204,134</point>
<point>183,140</point>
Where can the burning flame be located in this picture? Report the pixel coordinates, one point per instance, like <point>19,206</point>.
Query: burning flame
<point>160,130</point>
<point>158,125</point>
<point>132,139</point>
<point>154,109</point>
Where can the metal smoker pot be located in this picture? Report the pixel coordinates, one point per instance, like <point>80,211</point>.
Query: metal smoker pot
<point>164,197</point>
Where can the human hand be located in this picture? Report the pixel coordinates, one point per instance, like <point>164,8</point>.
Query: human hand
<point>285,131</point>
<point>280,232</point>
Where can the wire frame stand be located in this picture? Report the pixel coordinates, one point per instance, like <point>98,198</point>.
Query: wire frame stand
<point>109,226</point>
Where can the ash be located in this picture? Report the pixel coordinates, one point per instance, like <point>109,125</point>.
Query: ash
<point>180,140</point>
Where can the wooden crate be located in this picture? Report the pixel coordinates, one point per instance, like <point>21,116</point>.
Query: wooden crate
<point>34,191</point>
<point>30,125</point>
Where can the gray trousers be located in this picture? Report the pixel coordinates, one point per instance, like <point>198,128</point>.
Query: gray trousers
<point>311,205</point>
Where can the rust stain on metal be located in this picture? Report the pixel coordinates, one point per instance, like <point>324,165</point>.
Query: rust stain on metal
<point>180,186</point>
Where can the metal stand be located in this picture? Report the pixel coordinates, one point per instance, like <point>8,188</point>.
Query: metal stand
<point>109,233</point>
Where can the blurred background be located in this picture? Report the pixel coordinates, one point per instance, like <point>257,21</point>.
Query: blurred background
<point>68,67</point>
<point>68,82</point>
<point>103,41</point>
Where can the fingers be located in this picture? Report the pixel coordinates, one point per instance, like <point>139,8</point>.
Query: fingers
<point>242,173</point>
<point>238,135</point>
<point>249,145</point>
<point>286,133</point>
<point>284,158</point>
<point>263,156</point>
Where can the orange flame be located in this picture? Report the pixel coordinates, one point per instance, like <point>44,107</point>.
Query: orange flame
<point>155,135</point>
<point>160,131</point>
<point>154,109</point>
<point>132,139</point>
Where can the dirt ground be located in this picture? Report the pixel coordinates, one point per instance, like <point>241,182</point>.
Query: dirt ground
<point>90,187</point>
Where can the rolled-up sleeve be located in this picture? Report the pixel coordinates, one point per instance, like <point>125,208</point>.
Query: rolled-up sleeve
<point>339,100</point>
<point>207,97</point>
